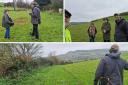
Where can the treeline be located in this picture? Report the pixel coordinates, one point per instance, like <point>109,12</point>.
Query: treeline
<point>44,4</point>
<point>16,59</point>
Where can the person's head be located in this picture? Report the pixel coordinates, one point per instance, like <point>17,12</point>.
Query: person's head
<point>67,17</point>
<point>114,48</point>
<point>117,16</point>
<point>5,11</point>
<point>33,4</point>
<point>106,20</point>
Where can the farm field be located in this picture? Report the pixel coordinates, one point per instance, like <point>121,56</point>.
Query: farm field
<point>79,31</point>
<point>50,30</point>
<point>81,73</point>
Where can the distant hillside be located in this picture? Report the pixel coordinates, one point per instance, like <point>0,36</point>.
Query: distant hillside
<point>81,55</point>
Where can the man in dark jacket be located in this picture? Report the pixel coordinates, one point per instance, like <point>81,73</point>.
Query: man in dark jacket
<point>106,30</point>
<point>110,69</point>
<point>35,19</point>
<point>121,29</point>
<point>7,22</point>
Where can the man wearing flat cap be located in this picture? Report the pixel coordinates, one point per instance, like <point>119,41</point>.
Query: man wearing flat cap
<point>106,30</point>
<point>35,19</point>
<point>67,34</point>
<point>111,67</point>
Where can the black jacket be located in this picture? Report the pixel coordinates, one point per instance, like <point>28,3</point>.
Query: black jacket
<point>121,31</point>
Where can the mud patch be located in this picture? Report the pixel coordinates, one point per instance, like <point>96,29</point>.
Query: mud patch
<point>20,21</point>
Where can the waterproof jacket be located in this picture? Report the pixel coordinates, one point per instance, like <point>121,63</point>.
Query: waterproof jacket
<point>67,36</point>
<point>121,31</point>
<point>92,31</point>
<point>6,21</point>
<point>111,66</point>
<point>35,16</point>
<point>107,27</point>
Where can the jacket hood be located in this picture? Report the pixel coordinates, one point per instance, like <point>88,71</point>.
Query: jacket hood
<point>114,55</point>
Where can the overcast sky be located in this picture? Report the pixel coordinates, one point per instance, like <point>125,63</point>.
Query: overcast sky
<point>61,48</point>
<point>87,10</point>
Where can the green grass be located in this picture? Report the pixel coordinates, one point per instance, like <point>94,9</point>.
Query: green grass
<point>79,32</point>
<point>81,73</point>
<point>50,30</point>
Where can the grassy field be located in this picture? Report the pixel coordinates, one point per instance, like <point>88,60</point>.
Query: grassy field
<point>79,32</point>
<point>50,30</point>
<point>81,73</point>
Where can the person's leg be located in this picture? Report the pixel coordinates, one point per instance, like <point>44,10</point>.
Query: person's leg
<point>36,31</point>
<point>91,40</point>
<point>33,32</point>
<point>7,32</point>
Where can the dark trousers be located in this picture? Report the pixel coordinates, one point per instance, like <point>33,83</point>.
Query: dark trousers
<point>92,38</point>
<point>35,31</point>
<point>7,33</point>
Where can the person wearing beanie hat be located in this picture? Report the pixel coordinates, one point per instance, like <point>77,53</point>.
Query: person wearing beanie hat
<point>106,30</point>
<point>67,34</point>
<point>121,29</point>
<point>111,68</point>
<point>35,19</point>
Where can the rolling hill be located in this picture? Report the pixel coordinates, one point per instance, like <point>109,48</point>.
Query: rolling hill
<point>83,55</point>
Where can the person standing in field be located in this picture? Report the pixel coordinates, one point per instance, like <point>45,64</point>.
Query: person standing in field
<point>110,69</point>
<point>106,30</point>
<point>7,22</point>
<point>121,29</point>
<point>67,34</point>
<point>35,19</point>
<point>92,31</point>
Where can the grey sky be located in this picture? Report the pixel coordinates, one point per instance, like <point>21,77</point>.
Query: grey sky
<point>87,10</point>
<point>61,48</point>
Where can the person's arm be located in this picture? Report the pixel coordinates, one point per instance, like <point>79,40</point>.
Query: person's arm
<point>99,71</point>
<point>126,28</point>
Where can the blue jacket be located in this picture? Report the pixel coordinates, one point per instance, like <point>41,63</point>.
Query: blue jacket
<point>35,16</point>
<point>111,66</point>
<point>121,31</point>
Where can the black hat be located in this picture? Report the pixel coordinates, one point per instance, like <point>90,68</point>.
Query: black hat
<point>67,14</point>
